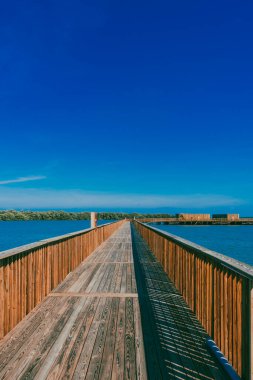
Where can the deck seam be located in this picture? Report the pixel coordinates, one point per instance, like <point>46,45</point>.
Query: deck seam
<point>104,295</point>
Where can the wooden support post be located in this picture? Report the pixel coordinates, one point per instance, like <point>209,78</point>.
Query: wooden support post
<point>93,220</point>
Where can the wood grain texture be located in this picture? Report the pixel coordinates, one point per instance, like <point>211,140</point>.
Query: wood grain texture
<point>216,288</point>
<point>116,315</point>
<point>29,273</point>
<point>88,327</point>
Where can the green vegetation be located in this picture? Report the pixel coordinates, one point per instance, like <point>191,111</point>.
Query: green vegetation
<point>8,215</point>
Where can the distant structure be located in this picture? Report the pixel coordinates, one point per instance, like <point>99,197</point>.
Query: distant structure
<point>193,217</point>
<point>229,217</point>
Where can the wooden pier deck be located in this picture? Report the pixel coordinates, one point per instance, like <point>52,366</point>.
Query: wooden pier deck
<point>117,316</point>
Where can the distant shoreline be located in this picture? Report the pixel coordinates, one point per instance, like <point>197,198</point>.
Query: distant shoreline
<point>14,215</point>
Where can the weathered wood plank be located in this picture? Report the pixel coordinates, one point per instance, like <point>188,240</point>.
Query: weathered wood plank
<point>88,346</point>
<point>130,357</point>
<point>141,372</point>
<point>174,339</point>
<point>109,344</point>
<point>91,325</point>
<point>95,294</point>
<point>119,349</point>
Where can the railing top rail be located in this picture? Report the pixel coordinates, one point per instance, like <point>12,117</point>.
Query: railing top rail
<point>237,266</point>
<point>42,243</point>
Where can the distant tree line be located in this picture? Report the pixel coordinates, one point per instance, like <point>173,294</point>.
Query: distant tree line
<point>8,215</point>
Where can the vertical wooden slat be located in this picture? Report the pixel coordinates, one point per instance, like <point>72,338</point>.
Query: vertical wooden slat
<point>222,337</point>
<point>193,282</point>
<point>239,326</point>
<point>235,327</point>
<point>226,316</point>
<point>218,306</point>
<point>32,273</point>
<point>6,294</point>
<point>220,297</point>
<point>2,308</point>
<point>230,318</point>
<point>208,303</point>
<point>19,277</point>
<point>11,291</point>
<point>198,302</point>
<point>14,292</point>
<point>27,277</point>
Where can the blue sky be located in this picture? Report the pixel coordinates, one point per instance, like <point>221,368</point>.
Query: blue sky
<point>126,105</point>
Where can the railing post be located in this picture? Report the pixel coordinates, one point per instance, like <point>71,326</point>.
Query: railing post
<point>93,220</point>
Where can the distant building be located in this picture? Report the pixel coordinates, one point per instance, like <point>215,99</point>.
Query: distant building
<point>193,217</point>
<point>229,217</point>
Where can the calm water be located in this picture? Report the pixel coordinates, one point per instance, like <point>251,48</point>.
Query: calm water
<point>14,234</point>
<point>233,241</point>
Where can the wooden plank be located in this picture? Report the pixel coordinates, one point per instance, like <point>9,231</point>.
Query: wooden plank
<point>44,367</point>
<point>106,280</point>
<point>119,279</point>
<point>180,335</point>
<point>111,278</point>
<point>124,279</point>
<point>29,360</point>
<point>119,349</point>
<point>95,281</point>
<point>109,345</point>
<point>70,354</point>
<point>95,294</point>
<point>97,353</point>
<point>130,357</point>
<point>21,338</point>
<point>96,330</point>
<point>129,278</point>
<point>82,279</point>
<point>88,347</point>
<point>141,371</point>
<point>134,285</point>
<point>114,278</point>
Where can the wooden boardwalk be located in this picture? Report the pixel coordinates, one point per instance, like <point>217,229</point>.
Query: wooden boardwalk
<point>174,340</point>
<point>90,326</point>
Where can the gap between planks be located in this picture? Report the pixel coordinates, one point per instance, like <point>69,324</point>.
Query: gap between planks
<point>104,295</point>
<point>108,262</point>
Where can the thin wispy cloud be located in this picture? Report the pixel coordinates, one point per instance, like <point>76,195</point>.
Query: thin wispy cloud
<point>22,179</point>
<point>41,198</point>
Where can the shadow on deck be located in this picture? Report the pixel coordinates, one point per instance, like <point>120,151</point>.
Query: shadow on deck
<point>174,340</point>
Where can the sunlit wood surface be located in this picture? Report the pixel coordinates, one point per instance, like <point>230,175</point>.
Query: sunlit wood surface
<point>90,326</point>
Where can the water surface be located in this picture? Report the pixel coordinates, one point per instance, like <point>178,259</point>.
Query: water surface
<point>233,241</point>
<point>16,233</point>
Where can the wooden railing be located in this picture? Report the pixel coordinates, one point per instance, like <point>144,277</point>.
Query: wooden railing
<point>217,289</point>
<point>30,272</point>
